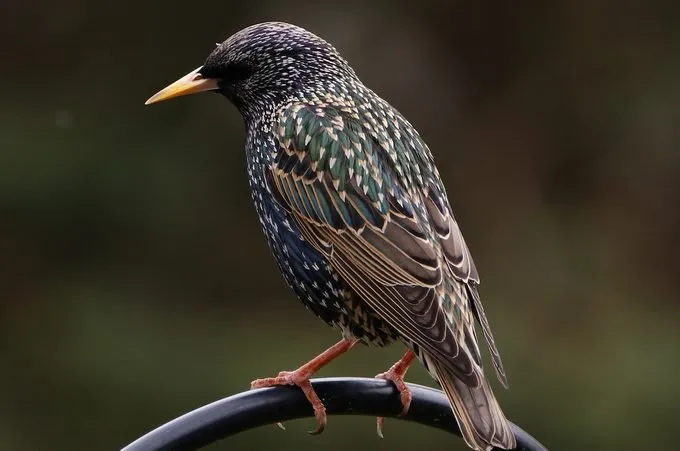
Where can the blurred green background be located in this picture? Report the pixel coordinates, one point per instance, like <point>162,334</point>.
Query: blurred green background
<point>135,283</point>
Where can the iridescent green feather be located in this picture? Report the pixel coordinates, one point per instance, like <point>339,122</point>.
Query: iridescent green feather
<point>334,145</point>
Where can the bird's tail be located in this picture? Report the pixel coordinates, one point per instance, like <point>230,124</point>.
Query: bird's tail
<point>477,412</point>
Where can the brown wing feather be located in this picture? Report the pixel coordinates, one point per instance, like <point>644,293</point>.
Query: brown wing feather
<point>463,268</point>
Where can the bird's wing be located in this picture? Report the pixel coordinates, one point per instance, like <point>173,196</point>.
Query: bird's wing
<point>390,243</point>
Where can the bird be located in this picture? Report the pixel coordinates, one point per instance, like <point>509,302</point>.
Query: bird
<point>357,217</point>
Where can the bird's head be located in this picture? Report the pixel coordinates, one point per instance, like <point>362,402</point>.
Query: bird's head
<point>262,65</point>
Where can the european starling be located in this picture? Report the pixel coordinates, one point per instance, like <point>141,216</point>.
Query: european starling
<point>357,217</point>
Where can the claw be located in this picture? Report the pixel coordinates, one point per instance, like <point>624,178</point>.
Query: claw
<point>380,424</point>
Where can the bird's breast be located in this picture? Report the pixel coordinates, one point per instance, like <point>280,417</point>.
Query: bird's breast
<point>307,272</point>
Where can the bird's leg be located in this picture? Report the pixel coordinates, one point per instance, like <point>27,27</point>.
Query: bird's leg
<point>396,374</point>
<point>300,377</point>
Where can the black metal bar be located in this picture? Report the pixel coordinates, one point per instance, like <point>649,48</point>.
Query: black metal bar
<point>341,396</point>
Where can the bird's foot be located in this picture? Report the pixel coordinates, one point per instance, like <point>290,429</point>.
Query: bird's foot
<point>299,378</point>
<point>396,375</point>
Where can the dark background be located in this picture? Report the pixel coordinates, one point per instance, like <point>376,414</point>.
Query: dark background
<point>135,283</point>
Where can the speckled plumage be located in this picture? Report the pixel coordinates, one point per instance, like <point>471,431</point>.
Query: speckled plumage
<point>356,214</point>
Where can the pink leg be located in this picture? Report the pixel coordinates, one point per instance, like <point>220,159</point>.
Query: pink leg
<point>396,374</point>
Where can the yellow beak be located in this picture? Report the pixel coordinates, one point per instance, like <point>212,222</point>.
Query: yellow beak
<point>191,83</point>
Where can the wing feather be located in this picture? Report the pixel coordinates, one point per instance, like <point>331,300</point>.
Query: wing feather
<point>460,263</point>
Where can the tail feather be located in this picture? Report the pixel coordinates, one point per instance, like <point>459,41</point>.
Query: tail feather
<point>477,412</point>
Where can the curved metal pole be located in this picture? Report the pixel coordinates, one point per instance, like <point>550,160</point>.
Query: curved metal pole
<point>341,396</point>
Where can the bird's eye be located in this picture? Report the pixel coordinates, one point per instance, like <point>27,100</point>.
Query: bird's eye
<point>239,71</point>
